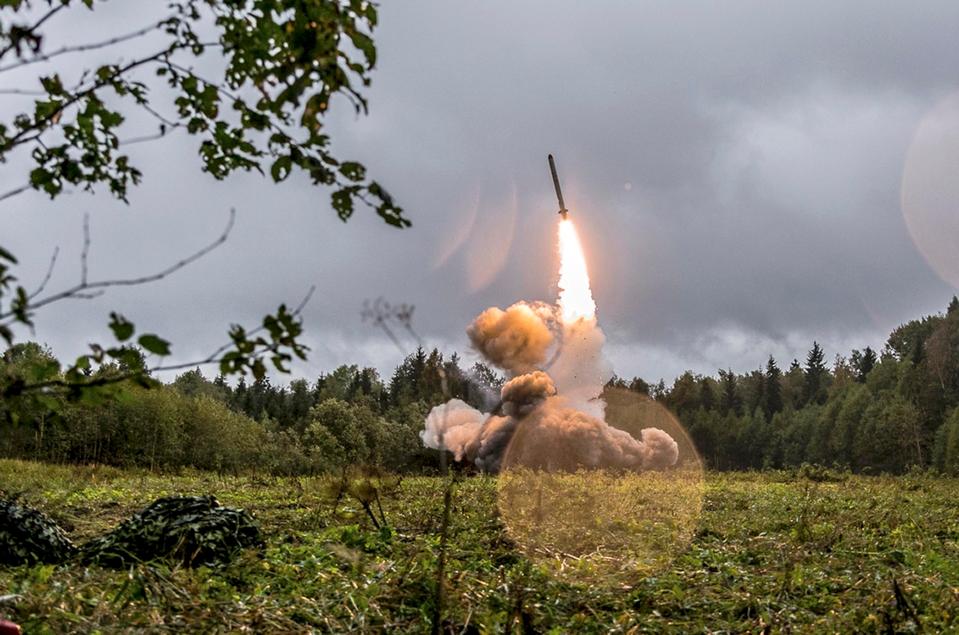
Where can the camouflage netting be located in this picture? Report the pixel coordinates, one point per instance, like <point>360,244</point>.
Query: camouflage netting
<point>28,536</point>
<point>193,530</point>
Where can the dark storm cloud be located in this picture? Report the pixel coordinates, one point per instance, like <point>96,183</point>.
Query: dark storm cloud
<point>734,167</point>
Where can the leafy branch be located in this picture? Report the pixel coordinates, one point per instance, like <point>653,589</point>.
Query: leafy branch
<point>275,339</point>
<point>278,66</point>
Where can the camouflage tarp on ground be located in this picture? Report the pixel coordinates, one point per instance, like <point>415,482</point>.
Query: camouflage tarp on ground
<point>28,536</point>
<point>193,530</point>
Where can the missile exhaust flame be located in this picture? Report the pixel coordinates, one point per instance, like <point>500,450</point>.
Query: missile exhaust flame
<point>575,297</point>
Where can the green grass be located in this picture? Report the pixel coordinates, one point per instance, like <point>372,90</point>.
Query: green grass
<point>768,553</point>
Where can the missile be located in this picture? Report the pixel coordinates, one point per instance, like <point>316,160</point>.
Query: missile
<point>559,193</point>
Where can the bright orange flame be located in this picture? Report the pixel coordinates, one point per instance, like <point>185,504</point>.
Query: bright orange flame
<point>575,297</point>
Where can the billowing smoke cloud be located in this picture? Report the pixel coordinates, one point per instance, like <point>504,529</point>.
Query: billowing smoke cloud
<point>454,426</point>
<point>522,394</point>
<point>547,418</point>
<point>517,339</point>
<point>560,438</point>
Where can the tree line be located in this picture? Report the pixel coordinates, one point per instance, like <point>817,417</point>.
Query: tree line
<point>887,411</point>
<point>350,416</point>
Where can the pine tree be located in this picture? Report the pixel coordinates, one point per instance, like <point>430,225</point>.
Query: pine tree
<point>616,382</point>
<point>731,401</point>
<point>756,395</point>
<point>659,390</point>
<point>707,397</point>
<point>637,384</point>
<point>300,401</point>
<point>863,362</point>
<point>773,398</point>
<point>815,375</point>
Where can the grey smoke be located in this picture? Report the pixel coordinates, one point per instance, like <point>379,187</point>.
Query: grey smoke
<point>521,395</point>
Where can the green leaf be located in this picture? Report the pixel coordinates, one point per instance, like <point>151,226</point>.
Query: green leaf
<point>259,369</point>
<point>353,171</point>
<point>154,344</point>
<point>122,328</point>
<point>281,168</point>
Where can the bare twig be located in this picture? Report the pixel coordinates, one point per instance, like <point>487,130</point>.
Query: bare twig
<point>85,252</point>
<point>84,288</point>
<point>33,28</point>
<point>381,314</point>
<point>165,120</point>
<point>144,138</point>
<point>46,278</point>
<point>23,91</point>
<point>439,599</point>
<point>87,290</point>
<point>14,192</point>
<point>79,48</point>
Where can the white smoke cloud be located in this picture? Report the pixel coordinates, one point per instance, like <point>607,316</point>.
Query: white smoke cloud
<point>580,371</point>
<point>453,425</point>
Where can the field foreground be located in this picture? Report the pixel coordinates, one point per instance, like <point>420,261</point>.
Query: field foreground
<point>806,552</point>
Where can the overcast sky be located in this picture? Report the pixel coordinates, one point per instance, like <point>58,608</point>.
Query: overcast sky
<point>737,171</point>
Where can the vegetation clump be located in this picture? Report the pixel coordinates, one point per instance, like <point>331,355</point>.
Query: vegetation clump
<point>28,536</point>
<point>188,530</point>
<point>193,530</point>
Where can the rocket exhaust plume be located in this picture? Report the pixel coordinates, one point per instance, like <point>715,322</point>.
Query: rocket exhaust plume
<point>551,415</point>
<point>575,296</point>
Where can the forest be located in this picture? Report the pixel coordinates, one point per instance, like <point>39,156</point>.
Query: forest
<point>868,412</point>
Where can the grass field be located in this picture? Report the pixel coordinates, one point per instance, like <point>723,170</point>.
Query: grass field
<point>773,552</point>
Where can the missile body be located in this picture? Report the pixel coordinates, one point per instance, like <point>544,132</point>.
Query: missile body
<point>559,193</point>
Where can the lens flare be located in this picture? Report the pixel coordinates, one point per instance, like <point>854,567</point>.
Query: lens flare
<point>575,298</point>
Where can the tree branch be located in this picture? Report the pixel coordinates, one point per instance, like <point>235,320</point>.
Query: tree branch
<point>30,30</point>
<point>22,91</point>
<point>14,192</point>
<point>41,123</point>
<point>84,288</point>
<point>213,358</point>
<point>46,278</point>
<point>79,48</point>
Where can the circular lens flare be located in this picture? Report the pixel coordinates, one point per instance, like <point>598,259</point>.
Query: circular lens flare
<point>604,526</point>
<point>930,189</point>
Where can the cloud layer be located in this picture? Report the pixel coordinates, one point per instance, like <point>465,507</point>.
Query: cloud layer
<point>735,170</point>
